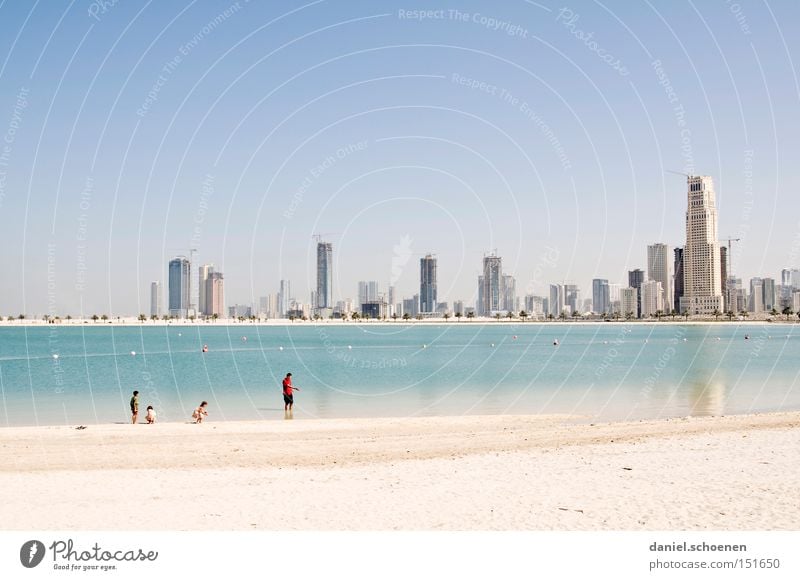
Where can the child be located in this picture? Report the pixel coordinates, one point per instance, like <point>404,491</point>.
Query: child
<point>151,415</point>
<point>200,412</point>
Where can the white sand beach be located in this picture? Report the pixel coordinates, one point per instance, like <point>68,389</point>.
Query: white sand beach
<point>440,473</point>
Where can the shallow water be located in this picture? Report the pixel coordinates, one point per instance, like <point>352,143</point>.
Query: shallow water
<point>600,371</point>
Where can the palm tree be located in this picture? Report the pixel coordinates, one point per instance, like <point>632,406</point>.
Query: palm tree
<point>787,312</point>
<point>497,316</point>
<point>673,313</point>
<point>317,317</point>
<point>418,317</point>
<point>659,314</point>
<point>292,317</point>
<point>394,316</point>
<point>773,312</point>
<point>471,314</point>
<point>95,318</point>
<point>550,317</point>
<point>458,316</point>
<point>744,314</point>
<point>214,317</point>
<point>68,317</point>
<point>142,318</point>
<point>446,316</point>
<point>604,315</point>
<point>576,314</point>
<point>21,317</point>
<point>730,314</point>
<point>104,317</point>
<point>406,316</point>
<point>563,316</point>
<point>523,315</point>
<point>510,315</point>
<point>686,315</point>
<point>629,315</point>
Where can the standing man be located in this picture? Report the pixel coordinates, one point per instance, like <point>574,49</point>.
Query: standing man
<point>288,397</point>
<point>134,407</point>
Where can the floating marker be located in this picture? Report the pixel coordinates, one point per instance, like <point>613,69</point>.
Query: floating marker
<point>349,347</point>
<point>133,353</point>
<point>280,348</point>
<point>492,344</point>
<point>244,339</point>
<point>55,356</point>
<point>179,334</point>
<point>424,346</point>
<point>515,337</point>
<point>555,342</point>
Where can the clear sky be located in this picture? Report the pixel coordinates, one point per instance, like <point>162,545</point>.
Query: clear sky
<point>132,131</point>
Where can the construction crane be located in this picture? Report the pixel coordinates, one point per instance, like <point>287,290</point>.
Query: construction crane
<point>319,237</point>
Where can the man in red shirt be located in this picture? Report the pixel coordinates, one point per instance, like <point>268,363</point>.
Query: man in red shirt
<point>288,397</point>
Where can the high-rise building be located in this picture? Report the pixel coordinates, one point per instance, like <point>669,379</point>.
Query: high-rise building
<point>769,294</point>
<point>635,280</point>
<point>659,269</point>
<point>284,298</point>
<point>628,302</point>
<point>203,305</point>
<point>723,274</point>
<point>214,295</point>
<point>492,284</point>
<point>601,302</point>
<point>756,295</point>
<point>702,283</point>
<point>324,295</point>
<point>509,302</point>
<point>479,303</point>
<point>411,306</point>
<point>155,298</point>
<point>613,297</point>
<point>367,292</point>
<point>652,298</point>
<point>677,280</point>
<point>180,270</point>
<point>572,298</point>
<point>458,307</point>
<point>556,300</point>
<point>427,284</point>
<point>391,298</point>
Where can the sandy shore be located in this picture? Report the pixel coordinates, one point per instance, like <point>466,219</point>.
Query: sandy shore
<point>444,473</point>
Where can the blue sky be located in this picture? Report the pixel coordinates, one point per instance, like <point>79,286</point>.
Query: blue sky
<point>545,130</point>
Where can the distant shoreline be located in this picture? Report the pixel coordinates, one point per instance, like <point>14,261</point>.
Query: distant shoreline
<point>337,322</point>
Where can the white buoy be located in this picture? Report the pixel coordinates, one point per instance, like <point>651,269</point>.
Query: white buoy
<point>555,342</point>
<point>349,347</point>
<point>55,356</point>
<point>424,346</point>
<point>718,338</point>
<point>280,348</point>
<point>605,342</point>
<point>515,337</point>
<point>133,353</point>
<point>684,340</point>
<point>492,344</point>
<point>179,334</point>
<point>244,339</point>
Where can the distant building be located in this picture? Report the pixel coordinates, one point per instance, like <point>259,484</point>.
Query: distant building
<point>635,280</point>
<point>652,298</point>
<point>324,293</point>
<point>203,305</point>
<point>677,280</point>
<point>572,298</point>
<point>723,274</point>
<point>659,268</point>
<point>556,300</point>
<point>458,307</point>
<point>180,287</point>
<point>492,284</point>
<point>601,303</point>
<point>155,298</point>
<point>284,298</point>
<point>628,302</point>
<point>770,295</point>
<point>376,309</point>
<point>756,295</point>
<point>411,306</point>
<point>214,295</point>
<point>479,303</point>
<point>702,283</point>
<point>427,284</point>
<point>367,291</point>
<point>509,302</point>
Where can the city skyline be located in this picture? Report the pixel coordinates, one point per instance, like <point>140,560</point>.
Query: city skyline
<point>234,137</point>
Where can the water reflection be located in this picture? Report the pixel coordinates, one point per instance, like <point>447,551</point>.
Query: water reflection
<point>707,398</point>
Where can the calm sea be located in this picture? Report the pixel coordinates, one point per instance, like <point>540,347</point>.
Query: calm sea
<point>600,371</point>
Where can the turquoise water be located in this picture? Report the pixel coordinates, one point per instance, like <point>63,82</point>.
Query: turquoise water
<point>601,371</point>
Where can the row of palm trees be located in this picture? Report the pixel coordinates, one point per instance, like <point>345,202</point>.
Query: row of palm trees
<point>522,315</point>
